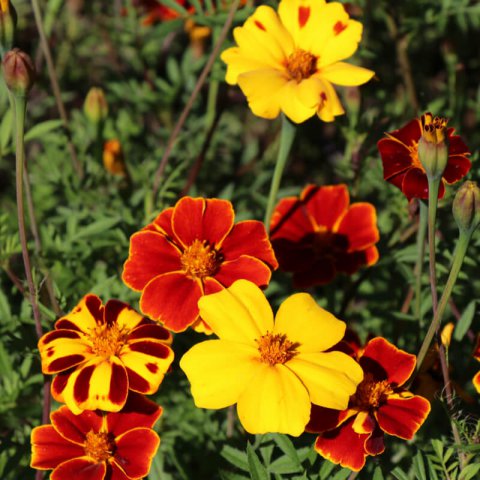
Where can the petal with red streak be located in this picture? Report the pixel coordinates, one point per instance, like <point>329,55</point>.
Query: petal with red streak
<point>59,384</point>
<point>457,167</point>
<point>202,219</point>
<point>323,419</point>
<point>151,255</point>
<point>402,417</point>
<point>290,220</point>
<point>83,468</point>
<point>244,267</point>
<point>395,157</point>
<point>172,299</point>
<point>85,316</point>
<point>409,133</point>
<point>74,428</point>
<point>359,224</point>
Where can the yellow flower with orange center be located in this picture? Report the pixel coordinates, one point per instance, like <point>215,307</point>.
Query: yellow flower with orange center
<point>273,369</point>
<point>288,61</point>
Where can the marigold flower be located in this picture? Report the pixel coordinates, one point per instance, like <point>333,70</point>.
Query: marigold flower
<point>191,250</point>
<point>113,159</point>
<point>319,234</point>
<point>157,12</point>
<point>99,353</point>
<point>288,61</point>
<point>96,445</point>
<point>272,369</point>
<point>380,405</point>
<point>401,164</point>
<point>476,356</point>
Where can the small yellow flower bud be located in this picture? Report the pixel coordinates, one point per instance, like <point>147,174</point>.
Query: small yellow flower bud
<point>433,145</point>
<point>8,23</point>
<point>113,160</point>
<point>96,106</point>
<point>466,207</point>
<point>18,71</point>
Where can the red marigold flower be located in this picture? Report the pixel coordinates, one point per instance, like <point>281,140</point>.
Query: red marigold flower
<point>96,445</point>
<point>157,12</point>
<point>320,234</point>
<point>402,167</point>
<point>380,405</point>
<point>476,356</point>
<point>101,352</point>
<point>191,250</point>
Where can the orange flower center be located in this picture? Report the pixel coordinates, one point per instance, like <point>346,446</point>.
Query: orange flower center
<point>370,393</point>
<point>200,259</point>
<point>107,340</point>
<point>434,129</point>
<point>99,445</point>
<point>276,348</point>
<point>301,64</point>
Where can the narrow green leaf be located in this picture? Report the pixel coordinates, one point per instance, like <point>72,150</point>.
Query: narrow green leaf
<point>39,130</point>
<point>470,471</point>
<point>399,474</point>
<point>325,470</point>
<point>378,474</point>
<point>97,227</point>
<point>284,464</point>
<point>465,321</point>
<point>287,447</point>
<point>235,457</point>
<point>257,470</point>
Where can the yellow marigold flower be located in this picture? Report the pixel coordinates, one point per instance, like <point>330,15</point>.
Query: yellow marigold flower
<point>272,369</point>
<point>288,61</point>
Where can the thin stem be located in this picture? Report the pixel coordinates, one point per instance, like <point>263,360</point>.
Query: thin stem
<point>433,186</point>
<point>55,87</point>
<point>287,136</point>
<point>421,234</point>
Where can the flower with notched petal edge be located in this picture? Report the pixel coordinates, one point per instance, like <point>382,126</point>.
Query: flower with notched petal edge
<point>191,250</point>
<point>288,61</point>
<point>100,352</point>
<point>402,166</point>
<point>380,405</point>
<point>271,368</point>
<point>319,234</point>
<point>98,446</point>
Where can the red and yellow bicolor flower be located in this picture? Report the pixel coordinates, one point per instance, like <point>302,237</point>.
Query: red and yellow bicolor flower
<point>476,355</point>
<point>100,352</point>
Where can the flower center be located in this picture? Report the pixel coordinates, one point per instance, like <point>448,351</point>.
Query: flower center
<point>99,445</point>
<point>301,64</point>
<point>370,393</point>
<point>276,348</point>
<point>413,151</point>
<point>107,340</point>
<point>200,259</point>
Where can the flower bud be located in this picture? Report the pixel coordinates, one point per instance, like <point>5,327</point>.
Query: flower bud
<point>96,106</point>
<point>466,207</point>
<point>8,23</point>
<point>113,160</point>
<point>18,71</point>
<point>433,145</point>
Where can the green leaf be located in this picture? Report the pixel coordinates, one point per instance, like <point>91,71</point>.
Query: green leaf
<point>377,474</point>
<point>284,464</point>
<point>257,470</point>
<point>6,129</point>
<point>469,472</point>
<point>235,457</point>
<point>465,321</point>
<point>97,227</point>
<point>399,474</point>
<point>287,447</point>
<point>39,130</point>
<point>343,474</point>
<point>326,470</point>
<point>419,466</point>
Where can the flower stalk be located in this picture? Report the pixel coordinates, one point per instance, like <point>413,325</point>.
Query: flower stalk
<point>421,234</point>
<point>433,186</point>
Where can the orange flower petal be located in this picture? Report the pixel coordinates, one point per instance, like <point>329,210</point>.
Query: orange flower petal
<point>246,268</point>
<point>83,468</point>
<point>476,381</point>
<point>163,223</point>
<point>359,225</point>
<point>289,220</point>
<point>74,428</point>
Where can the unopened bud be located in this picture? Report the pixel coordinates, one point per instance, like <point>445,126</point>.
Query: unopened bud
<point>95,106</point>
<point>18,71</point>
<point>433,146</point>
<point>8,23</point>
<point>113,160</point>
<point>466,207</point>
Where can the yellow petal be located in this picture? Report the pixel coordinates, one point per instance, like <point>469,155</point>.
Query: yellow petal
<point>291,104</point>
<point>219,371</point>
<point>304,322</point>
<point>263,90</point>
<point>275,400</point>
<point>128,318</point>
<point>342,73</point>
<point>238,63</point>
<point>81,316</point>
<point>341,46</point>
<point>330,378</point>
<point>240,313</point>
<point>331,106</point>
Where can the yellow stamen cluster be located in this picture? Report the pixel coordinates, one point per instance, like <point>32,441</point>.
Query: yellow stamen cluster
<point>434,129</point>
<point>370,393</point>
<point>301,64</point>
<point>107,340</point>
<point>275,348</point>
<point>200,259</point>
<point>99,445</point>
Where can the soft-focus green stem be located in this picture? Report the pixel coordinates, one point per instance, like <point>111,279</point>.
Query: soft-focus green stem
<point>421,234</point>
<point>287,136</point>
<point>433,186</point>
<point>458,257</point>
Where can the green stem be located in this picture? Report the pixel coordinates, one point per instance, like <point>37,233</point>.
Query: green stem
<point>433,186</point>
<point>287,136</point>
<point>421,234</point>
<point>458,257</point>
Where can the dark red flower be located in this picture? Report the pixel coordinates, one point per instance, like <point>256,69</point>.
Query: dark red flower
<point>157,12</point>
<point>96,445</point>
<point>191,250</point>
<point>476,356</point>
<point>320,234</point>
<point>380,405</point>
<point>402,167</point>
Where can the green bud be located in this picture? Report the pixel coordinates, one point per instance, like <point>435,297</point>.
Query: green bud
<point>466,207</point>
<point>95,105</point>
<point>433,146</point>
<point>8,23</point>
<point>18,71</point>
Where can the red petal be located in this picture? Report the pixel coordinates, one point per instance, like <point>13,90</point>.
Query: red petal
<point>321,273</point>
<point>211,285</point>
<point>135,450</point>
<point>456,146</point>
<point>202,219</point>
<point>297,255</point>
<point>397,365</point>
<point>137,412</point>
<point>326,205</point>
<point>343,446</point>
<point>83,468</point>
<point>244,267</point>
<point>409,133</point>
<point>375,444</point>
<point>150,331</point>
<point>323,419</point>
<point>249,238</point>
<point>290,220</point>
<point>395,157</point>
<point>151,254</point>
<point>415,184</point>
<point>359,224</point>
<point>116,473</point>
<point>172,299</point>
<point>50,449</point>
<point>456,169</point>
<point>402,417</point>
<point>476,381</point>
<point>163,223</point>
<point>75,427</point>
